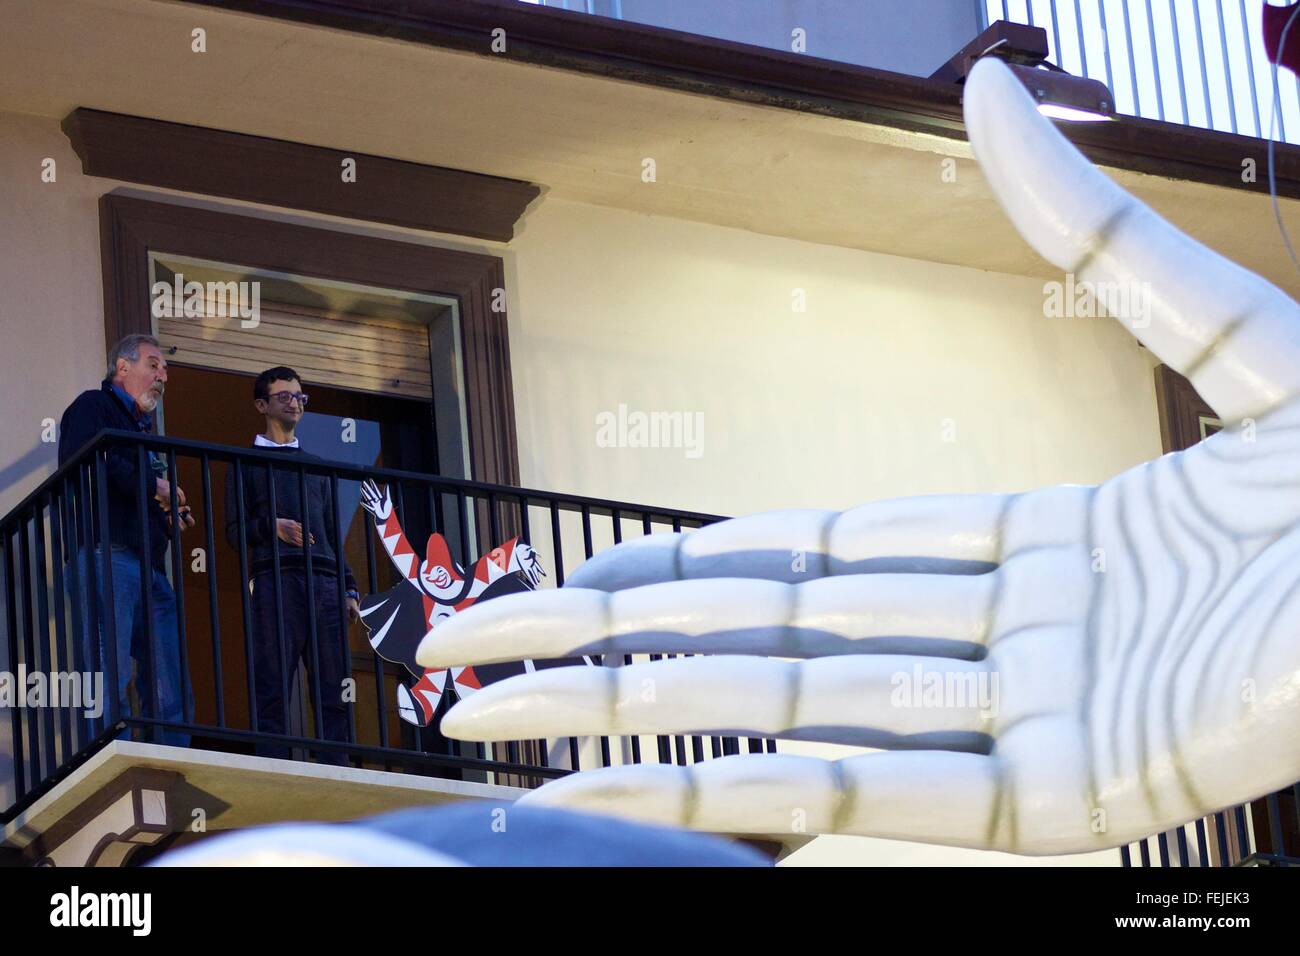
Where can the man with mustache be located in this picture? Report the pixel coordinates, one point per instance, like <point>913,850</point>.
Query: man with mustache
<point>126,400</point>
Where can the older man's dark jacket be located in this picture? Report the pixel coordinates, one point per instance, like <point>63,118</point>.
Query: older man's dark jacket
<point>90,413</point>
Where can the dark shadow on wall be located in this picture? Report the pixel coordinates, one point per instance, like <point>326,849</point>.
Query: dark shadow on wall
<point>43,456</point>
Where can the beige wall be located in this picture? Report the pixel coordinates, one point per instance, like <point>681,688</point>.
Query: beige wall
<point>849,401</point>
<point>845,402</point>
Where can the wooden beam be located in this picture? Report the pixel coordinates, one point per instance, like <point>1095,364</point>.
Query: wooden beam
<point>277,172</point>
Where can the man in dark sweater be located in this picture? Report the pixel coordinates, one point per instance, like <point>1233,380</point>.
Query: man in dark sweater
<point>280,641</point>
<point>126,400</point>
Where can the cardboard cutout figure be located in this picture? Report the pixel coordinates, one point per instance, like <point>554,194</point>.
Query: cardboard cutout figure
<point>433,590</point>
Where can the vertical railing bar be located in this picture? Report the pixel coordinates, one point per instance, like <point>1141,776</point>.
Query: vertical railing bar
<point>178,587</point>
<point>1182,846</point>
<point>1205,71</point>
<point>1275,824</point>
<point>1105,49</point>
<point>1243,832</point>
<point>26,642</point>
<point>1221,829</point>
<point>67,716</point>
<point>585,511</point>
<point>616,522</point>
<point>1250,68</point>
<point>1227,68</point>
<point>142,499</point>
<point>42,622</point>
<point>372,575</point>
<point>1132,62</point>
<point>462,522</point>
<point>1155,61</point>
<point>210,567</point>
<point>101,609</point>
<point>494,523</point>
<point>1126,858</point>
<point>661,742</point>
<point>1163,842</point>
<point>345,623</point>
<point>9,581</point>
<point>309,583</point>
<point>75,597</point>
<point>1178,62</point>
<point>1202,850</point>
<point>245,612</point>
<point>1144,850</point>
<point>1083,46</point>
<point>525,528</point>
<point>1056,37</point>
<point>557,545</point>
<point>282,664</point>
<point>557,550</point>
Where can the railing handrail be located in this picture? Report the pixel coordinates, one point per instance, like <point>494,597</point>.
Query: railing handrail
<point>346,471</point>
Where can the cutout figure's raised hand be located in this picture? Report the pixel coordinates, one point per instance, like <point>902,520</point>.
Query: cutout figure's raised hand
<point>379,504</point>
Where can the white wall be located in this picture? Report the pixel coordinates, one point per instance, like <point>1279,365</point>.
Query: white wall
<point>845,402</point>
<point>849,401</point>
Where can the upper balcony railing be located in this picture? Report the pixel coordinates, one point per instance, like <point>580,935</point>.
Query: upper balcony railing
<point>1195,62</point>
<point>61,587</point>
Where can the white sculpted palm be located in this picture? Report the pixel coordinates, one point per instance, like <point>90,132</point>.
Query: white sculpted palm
<point>1144,635</point>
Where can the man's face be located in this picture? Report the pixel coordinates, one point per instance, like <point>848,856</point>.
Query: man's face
<point>277,406</point>
<point>145,379</point>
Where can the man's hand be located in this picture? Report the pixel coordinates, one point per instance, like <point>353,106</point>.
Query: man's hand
<point>290,532</point>
<point>163,495</point>
<point>1063,670</point>
<point>354,610</point>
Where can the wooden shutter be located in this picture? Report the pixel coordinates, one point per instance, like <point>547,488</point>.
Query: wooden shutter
<point>362,353</point>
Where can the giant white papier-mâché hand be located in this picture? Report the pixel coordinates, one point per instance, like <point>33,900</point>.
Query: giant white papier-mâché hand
<point>1143,636</point>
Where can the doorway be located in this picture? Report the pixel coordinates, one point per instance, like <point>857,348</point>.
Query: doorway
<point>355,428</point>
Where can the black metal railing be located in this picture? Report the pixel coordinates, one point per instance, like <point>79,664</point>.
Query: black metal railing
<point>68,588</point>
<point>1265,832</point>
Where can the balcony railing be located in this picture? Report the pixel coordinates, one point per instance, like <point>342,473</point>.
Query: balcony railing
<point>1263,833</point>
<point>57,592</point>
<point>49,605</point>
<point>1195,62</point>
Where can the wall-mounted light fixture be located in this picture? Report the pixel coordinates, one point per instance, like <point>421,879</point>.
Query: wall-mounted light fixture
<point>1060,95</point>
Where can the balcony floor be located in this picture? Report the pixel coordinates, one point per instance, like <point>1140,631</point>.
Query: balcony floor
<point>236,790</point>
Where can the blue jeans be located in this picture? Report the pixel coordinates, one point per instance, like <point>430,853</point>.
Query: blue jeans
<point>132,631</point>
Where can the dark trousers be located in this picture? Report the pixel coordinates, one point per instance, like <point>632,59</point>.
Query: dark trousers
<point>276,667</point>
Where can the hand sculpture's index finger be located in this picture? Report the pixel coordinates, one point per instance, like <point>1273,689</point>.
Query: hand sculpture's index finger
<point>1234,335</point>
<point>935,534</point>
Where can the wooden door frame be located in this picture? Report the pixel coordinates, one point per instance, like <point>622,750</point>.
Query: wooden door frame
<point>132,228</point>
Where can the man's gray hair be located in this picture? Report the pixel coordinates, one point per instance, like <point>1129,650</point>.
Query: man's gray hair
<point>129,349</point>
